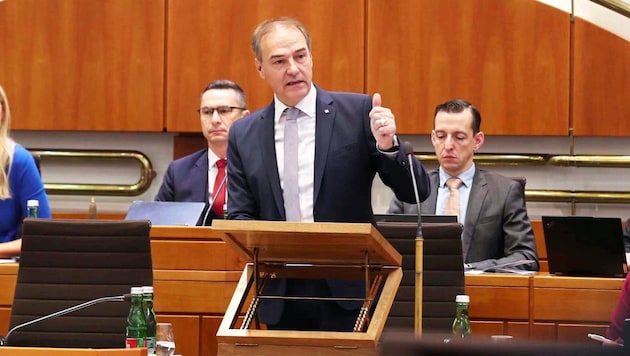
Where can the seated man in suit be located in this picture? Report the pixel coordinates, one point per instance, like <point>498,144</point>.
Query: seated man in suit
<point>200,176</point>
<point>491,207</point>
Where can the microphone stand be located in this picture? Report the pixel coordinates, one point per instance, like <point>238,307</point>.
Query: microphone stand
<point>214,198</point>
<point>117,298</point>
<point>419,247</point>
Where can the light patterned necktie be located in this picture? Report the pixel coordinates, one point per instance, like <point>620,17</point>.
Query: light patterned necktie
<point>290,192</point>
<point>452,202</point>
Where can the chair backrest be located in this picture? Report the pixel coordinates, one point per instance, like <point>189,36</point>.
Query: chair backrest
<point>64,263</point>
<point>443,275</point>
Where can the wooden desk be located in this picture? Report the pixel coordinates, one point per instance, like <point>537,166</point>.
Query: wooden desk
<point>499,304</point>
<point>567,308</point>
<point>195,274</point>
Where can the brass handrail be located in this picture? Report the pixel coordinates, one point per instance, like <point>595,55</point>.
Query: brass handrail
<point>144,181</point>
<point>615,5</point>
<point>570,196</point>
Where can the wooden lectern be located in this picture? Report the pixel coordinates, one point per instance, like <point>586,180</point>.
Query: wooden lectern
<point>308,250</point>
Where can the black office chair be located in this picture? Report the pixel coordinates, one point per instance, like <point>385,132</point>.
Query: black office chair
<point>64,263</point>
<point>443,274</point>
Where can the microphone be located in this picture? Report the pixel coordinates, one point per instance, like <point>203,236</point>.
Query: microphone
<point>419,247</point>
<point>214,198</point>
<point>117,298</point>
<point>408,149</point>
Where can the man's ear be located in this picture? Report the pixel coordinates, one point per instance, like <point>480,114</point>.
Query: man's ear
<point>479,139</point>
<point>259,68</point>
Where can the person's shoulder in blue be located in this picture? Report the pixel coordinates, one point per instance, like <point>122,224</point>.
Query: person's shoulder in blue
<point>20,181</point>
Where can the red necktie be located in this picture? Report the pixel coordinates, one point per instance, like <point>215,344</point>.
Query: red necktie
<point>219,201</point>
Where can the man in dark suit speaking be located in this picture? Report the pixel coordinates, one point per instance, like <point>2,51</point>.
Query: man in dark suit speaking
<point>497,229</point>
<point>335,144</point>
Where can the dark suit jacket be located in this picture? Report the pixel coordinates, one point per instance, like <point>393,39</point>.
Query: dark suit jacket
<point>497,229</point>
<point>186,179</point>
<point>346,161</point>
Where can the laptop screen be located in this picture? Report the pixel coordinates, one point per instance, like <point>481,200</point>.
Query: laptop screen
<point>585,246</point>
<point>167,213</point>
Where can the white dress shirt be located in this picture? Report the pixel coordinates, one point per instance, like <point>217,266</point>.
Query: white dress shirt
<point>306,149</point>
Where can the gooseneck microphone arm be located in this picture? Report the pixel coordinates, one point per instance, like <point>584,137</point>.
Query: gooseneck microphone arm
<point>409,152</point>
<point>117,298</point>
<point>214,198</point>
<point>419,252</point>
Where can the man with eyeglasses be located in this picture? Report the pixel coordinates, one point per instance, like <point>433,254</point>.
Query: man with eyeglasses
<point>200,176</point>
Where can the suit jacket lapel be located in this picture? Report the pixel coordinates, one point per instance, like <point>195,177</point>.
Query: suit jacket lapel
<point>429,205</point>
<point>478,193</point>
<point>268,152</point>
<point>200,189</point>
<point>325,114</point>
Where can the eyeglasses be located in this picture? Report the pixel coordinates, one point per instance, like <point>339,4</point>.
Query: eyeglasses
<point>221,110</point>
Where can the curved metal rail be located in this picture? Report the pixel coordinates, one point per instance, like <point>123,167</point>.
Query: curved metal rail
<point>570,196</point>
<point>144,181</point>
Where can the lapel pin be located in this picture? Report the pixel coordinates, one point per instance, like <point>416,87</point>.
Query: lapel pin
<point>326,111</point>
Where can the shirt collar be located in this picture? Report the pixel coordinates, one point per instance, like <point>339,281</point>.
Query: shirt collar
<point>466,176</point>
<point>212,158</point>
<point>306,105</point>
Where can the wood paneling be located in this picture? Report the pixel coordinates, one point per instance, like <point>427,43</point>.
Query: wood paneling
<point>83,65</point>
<point>601,82</point>
<point>575,298</point>
<point>504,297</point>
<point>209,328</point>
<point>209,40</point>
<point>510,58</point>
<point>185,331</point>
<point>5,316</point>
<point>487,328</point>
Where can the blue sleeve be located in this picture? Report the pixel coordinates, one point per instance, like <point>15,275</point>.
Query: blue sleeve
<point>26,183</point>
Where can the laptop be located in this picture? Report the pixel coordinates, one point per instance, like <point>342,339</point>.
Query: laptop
<point>585,246</point>
<point>167,213</point>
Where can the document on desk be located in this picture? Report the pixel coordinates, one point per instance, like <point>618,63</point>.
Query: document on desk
<point>9,260</point>
<point>503,268</point>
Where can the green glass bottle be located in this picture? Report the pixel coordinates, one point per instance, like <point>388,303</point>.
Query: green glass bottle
<point>461,324</point>
<point>149,316</point>
<point>136,321</point>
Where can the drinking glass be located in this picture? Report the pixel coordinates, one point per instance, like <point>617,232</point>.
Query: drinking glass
<point>164,341</point>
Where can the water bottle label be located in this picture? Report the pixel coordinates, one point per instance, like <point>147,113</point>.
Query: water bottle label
<point>131,343</point>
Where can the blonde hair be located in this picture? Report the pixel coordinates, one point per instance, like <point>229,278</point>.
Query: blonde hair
<point>7,146</point>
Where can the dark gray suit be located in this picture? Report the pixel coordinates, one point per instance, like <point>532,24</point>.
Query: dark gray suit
<point>497,229</point>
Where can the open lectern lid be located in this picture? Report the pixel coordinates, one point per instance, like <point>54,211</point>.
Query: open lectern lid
<point>317,243</point>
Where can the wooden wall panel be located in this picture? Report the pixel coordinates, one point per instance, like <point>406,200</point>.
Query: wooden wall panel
<point>510,58</point>
<point>601,82</point>
<point>209,40</point>
<point>185,331</point>
<point>83,65</point>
